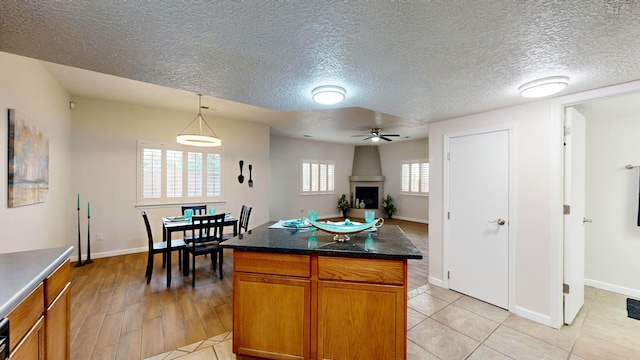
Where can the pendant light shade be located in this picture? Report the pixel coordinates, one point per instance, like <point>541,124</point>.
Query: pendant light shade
<point>198,132</point>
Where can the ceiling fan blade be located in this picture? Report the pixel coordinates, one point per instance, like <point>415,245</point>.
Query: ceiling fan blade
<point>389,134</point>
<point>367,138</point>
<point>385,138</point>
<point>359,135</point>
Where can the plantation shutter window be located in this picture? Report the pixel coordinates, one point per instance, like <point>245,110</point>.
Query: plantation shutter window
<point>170,173</point>
<point>317,177</point>
<point>415,177</point>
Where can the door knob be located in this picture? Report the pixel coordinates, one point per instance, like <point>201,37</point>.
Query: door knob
<point>499,222</point>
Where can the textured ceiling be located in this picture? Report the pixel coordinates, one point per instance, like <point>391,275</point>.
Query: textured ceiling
<point>402,63</point>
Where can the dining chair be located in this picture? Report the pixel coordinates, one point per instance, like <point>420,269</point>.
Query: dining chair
<point>206,232</point>
<point>160,248</point>
<point>197,210</point>
<point>243,222</point>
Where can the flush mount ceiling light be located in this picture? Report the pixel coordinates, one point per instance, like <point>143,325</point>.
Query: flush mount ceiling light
<point>544,87</point>
<point>198,135</point>
<point>328,94</point>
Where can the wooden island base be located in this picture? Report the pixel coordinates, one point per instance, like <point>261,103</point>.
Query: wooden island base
<point>310,306</point>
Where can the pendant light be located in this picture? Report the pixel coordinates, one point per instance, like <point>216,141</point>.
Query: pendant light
<point>199,137</point>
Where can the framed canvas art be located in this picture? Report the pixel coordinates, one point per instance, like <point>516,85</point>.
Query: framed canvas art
<point>28,180</point>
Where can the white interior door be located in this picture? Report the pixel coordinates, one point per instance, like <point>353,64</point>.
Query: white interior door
<point>478,216</point>
<point>574,197</point>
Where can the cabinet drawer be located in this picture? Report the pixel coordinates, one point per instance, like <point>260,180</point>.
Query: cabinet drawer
<point>375,271</point>
<point>272,263</point>
<point>56,281</point>
<point>26,314</point>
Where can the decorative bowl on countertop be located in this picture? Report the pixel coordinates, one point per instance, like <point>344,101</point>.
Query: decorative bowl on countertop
<point>342,229</point>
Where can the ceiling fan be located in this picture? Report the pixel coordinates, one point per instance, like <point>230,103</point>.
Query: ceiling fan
<point>375,135</point>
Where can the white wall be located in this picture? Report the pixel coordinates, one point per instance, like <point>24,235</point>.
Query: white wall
<point>412,208</point>
<point>533,189</point>
<point>285,201</point>
<point>612,244</point>
<point>29,89</point>
<point>103,158</point>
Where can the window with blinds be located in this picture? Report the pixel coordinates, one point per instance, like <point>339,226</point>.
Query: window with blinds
<point>415,177</point>
<point>171,173</point>
<point>317,177</point>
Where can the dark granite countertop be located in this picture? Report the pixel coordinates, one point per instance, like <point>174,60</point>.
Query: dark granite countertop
<point>21,272</point>
<point>388,242</point>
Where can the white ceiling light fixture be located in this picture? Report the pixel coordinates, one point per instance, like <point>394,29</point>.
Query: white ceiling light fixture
<point>328,94</point>
<point>375,138</point>
<point>544,87</point>
<point>199,137</point>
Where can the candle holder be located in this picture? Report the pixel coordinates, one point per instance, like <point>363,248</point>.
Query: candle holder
<point>79,263</point>
<point>88,261</point>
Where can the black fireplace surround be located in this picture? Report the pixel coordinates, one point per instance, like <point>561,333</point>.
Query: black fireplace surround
<point>368,194</point>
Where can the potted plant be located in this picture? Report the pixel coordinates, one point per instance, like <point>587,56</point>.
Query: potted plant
<point>343,204</point>
<point>387,206</point>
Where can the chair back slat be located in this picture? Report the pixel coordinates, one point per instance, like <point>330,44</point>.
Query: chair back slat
<point>146,224</point>
<point>206,228</point>
<point>197,209</point>
<point>243,222</point>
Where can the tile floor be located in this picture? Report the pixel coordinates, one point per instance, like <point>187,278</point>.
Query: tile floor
<point>443,324</point>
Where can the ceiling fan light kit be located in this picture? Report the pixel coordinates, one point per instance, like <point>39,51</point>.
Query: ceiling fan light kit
<point>544,87</point>
<point>199,137</point>
<point>328,94</point>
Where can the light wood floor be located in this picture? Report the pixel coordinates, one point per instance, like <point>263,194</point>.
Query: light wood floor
<point>116,315</point>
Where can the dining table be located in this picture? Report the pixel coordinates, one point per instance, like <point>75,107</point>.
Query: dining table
<point>171,224</point>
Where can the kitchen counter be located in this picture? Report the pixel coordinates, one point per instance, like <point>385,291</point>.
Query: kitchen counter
<point>388,242</point>
<point>21,272</point>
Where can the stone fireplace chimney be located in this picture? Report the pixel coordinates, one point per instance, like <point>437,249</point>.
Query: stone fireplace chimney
<point>366,180</point>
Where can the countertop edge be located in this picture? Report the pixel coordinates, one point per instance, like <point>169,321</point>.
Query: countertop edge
<point>337,253</point>
<point>31,285</point>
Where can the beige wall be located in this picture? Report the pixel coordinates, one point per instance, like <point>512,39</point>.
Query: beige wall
<point>286,154</point>
<point>285,201</point>
<point>105,136</point>
<point>612,243</point>
<point>412,208</point>
<point>29,89</point>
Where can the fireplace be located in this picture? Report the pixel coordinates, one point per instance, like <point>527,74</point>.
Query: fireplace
<point>368,195</point>
<point>366,181</point>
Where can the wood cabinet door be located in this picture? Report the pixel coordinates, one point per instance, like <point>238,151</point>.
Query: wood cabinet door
<point>271,316</point>
<point>32,345</point>
<point>57,327</point>
<point>361,321</point>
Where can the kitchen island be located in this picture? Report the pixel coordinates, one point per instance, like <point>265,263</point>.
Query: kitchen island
<point>298,294</point>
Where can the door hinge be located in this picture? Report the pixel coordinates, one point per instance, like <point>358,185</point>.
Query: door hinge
<point>565,288</point>
<point>566,209</point>
<point>448,156</point>
<point>448,275</point>
<point>448,215</point>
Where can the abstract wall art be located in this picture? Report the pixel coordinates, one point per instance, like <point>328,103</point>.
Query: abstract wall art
<point>28,163</point>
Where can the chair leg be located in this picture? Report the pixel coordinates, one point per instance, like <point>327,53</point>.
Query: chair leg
<point>220,263</point>
<point>164,259</point>
<point>149,266</point>
<point>193,270</point>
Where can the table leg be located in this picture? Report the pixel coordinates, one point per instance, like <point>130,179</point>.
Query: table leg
<point>235,229</point>
<point>167,237</point>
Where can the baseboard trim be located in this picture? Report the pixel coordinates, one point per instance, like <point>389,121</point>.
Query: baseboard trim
<point>104,254</point>
<point>534,316</point>
<point>436,282</point>
<point>613,288</point>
